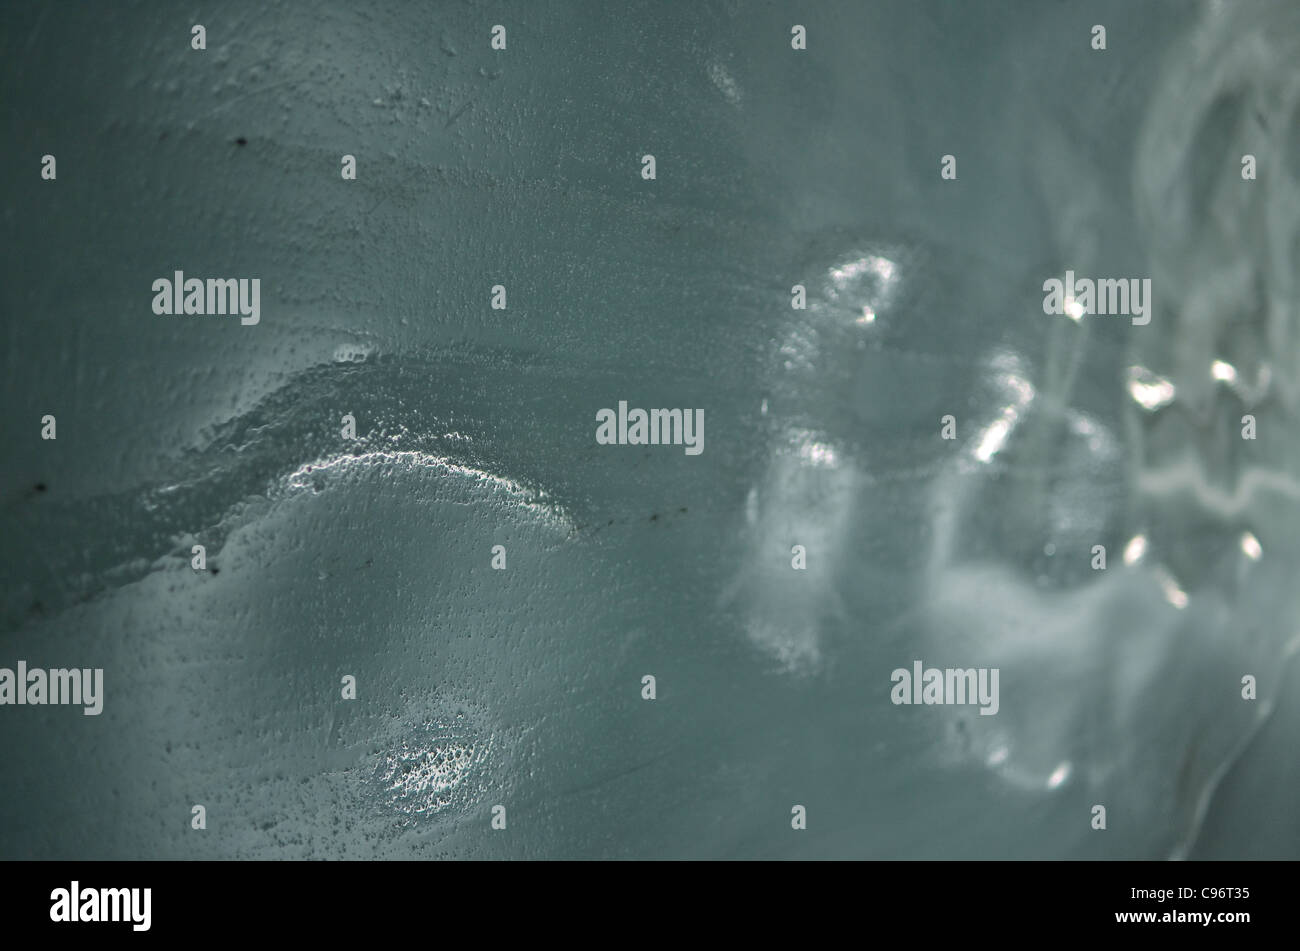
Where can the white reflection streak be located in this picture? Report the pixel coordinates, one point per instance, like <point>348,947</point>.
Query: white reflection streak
<point>1223,372</point>
<point>1172,591</point>
<point>523,496</point>
<point>1135,549</point>
<point>882,269</point>
<point>422,780</point>
<point>1148,390</point>
<point>1059,775</point>
<point>1251,547</point>
<point>817,453</point>
<point>995,435</point>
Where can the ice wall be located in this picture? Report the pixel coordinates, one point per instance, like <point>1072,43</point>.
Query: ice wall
<point>522,687</point>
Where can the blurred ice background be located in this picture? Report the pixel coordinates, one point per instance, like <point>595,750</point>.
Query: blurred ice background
<point>522,687</point>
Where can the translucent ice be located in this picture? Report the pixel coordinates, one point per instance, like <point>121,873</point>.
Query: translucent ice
<point>372,558</point>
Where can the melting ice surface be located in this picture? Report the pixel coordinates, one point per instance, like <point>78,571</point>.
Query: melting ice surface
<point>522,687</point>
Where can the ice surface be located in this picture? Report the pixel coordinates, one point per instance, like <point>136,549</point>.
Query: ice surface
<point>522,687</point>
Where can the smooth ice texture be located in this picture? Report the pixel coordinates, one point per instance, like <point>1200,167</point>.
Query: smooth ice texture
<point>523,687</point>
